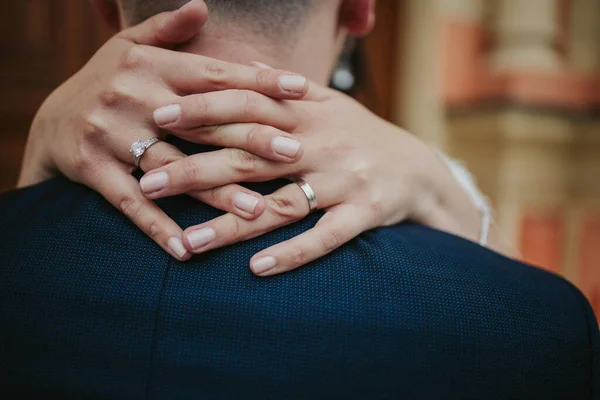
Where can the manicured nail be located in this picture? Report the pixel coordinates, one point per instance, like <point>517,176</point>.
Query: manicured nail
<point>177,247</point>
<point>186,4</point>
<point>201,237</point>
<point>245,202</point>
<point>285,146</point>
<point>262,65</point>
<point>292,83</point>
<point>263,264</point>
<point>154,182</point>
<point>167,115</point>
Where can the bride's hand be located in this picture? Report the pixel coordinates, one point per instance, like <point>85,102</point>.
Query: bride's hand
<point>364,171</point>
<point>86,127</point>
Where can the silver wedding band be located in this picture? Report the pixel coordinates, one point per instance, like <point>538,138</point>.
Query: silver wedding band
<point>309,193</point>
<point>139,147</point>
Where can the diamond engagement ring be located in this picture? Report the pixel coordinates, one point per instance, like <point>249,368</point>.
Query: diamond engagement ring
<point>309,193</point>
<point>139,147</point>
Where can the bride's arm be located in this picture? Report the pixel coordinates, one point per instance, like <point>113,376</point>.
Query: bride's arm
<point>365,172</point>
<point>462,209</point>
<point>85,128</point>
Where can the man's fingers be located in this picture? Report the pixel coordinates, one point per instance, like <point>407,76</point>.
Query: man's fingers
<point>225,107</point>
<point>339,225</point>
<point>234,199</point>
<point>262,140</point>
<point>210,170</point>
<point>283,207</point>
<point>169,28</point>
<point>122,191</point>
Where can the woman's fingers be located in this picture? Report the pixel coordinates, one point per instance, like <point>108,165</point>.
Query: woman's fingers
<point>187,74</point>
<point>229,198</point>
<point>262,140</point>
<point>339,225</point>
<point>158,155</point>
<point>122,191</point>
<point>224,107</point>
<point>209,170</point>
<point>233,198</point>
<point>169,28</point>
<point>283,207</point>
<point>315,92</point>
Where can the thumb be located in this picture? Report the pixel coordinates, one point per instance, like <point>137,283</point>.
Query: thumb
<point>169,28</point>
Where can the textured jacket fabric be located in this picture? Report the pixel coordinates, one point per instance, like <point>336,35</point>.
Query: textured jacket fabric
<point>92,308</point>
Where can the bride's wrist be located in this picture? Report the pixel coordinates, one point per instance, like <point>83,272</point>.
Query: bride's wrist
<point>35,164</point>
<point>443,203</point>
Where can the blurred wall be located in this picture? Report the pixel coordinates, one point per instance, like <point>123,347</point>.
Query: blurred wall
<point>42,42</point>
<point>512,88</point>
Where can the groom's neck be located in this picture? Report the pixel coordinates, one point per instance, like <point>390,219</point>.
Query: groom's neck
<point>308,51</point>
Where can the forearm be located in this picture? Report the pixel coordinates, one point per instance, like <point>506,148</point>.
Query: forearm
<point>449,208</point>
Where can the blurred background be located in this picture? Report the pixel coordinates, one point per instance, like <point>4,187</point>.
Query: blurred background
<point>511,87</point>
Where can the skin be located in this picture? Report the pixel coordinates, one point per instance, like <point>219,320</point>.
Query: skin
<point>365,172</point>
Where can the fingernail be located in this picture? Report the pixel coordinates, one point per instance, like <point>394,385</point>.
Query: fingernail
<point>177,247</point>
<point>167,115</point>
<point>262,65</point>
<point>285,146</point>
<point>186,4</point>
<point>263,264</point>
<point>245,202</point>
<point>292,83</point>
<point>201,237</point>
<point>154,182</point>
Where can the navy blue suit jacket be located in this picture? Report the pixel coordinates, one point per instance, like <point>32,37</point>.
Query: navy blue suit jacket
<point>92,308</point>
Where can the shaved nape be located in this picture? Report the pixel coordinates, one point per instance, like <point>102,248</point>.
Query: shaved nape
<point>271,18</point>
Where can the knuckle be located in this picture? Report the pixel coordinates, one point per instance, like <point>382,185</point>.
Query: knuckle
<point>133,58</point>
<point>162,159</point>
<point>117,93</point>
<point>156,26</point>
<point>361,173</point>
<point>243,162</point>
<point>81,159</point>
<point>191,171</point>
<point>215,73</point>
<point>109,97</point>
<point>235,229</point>
<point>200,104</point>
<point>340,151</point>
<point>297,255</point>
<point>214,197</point>
<point>249,104</point>
<point>263,78</point>
<point>94,128</point>
<point>154,229</point>
<point>112,96</point>
<point>254,135</point>
<point>376,203</point>
<point>330,241</point>
<point>284,207</point>
<point>130,206</point>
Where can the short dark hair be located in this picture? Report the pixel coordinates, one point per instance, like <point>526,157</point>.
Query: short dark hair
<point>273,17</point>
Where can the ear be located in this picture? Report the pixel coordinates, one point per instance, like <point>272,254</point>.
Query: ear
<point>109,12</point>
<point>358,16</point>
